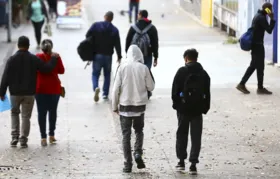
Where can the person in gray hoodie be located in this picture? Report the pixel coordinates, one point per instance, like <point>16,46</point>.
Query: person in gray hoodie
<point>129,98</point>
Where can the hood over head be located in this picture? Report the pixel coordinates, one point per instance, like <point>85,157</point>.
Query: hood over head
<point>134,54</point>
<point>194,67</point>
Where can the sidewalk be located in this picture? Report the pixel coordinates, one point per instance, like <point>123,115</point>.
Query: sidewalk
<point>241,136</point>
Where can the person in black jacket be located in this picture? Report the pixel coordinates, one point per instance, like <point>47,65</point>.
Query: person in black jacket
<point>142,23</point>
<point>260,25</point>
<point>188,119</point>
<point>20,76</point>
<point>105,37</point>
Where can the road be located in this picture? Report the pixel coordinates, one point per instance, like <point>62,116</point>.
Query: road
<point>241,136</point>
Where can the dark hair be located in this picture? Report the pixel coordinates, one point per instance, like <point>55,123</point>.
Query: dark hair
<point>23,42</point>
<point>266,5</point>
<point>144,13</point>
<point>191,54</point>
<point>47,45</point>
<point>109,15</point>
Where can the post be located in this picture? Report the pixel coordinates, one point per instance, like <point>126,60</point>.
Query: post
<point>9,12</point>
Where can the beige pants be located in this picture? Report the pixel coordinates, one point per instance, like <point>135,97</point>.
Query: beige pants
<point>23,105</point>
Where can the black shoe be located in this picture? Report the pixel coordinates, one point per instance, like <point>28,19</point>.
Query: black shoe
<point>105,97</point>
<point>14,142</point>
<point>139,161</point>
<point>127,168</point>
<point>23,145</point>
<point>180,166</point>
<point>263,91</point>
<point>23,142</point>
<point>149,94</point>
<point>193,170</point>
<point>243,89</point>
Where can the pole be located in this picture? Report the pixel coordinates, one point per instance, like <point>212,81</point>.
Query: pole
<point>9,12</point>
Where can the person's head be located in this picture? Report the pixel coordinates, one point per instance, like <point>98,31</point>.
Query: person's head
<point>143,14</point>
<point>47,46</point>
<point>23,43</point>
<point>134,54</point>
<point>190,55</point>
<point>267,5</point>
<point>109,16</point>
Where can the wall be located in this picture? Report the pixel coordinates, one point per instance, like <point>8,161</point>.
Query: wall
<point>206,12</point>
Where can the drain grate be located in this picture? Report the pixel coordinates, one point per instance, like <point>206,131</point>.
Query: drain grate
<point>9,168</point>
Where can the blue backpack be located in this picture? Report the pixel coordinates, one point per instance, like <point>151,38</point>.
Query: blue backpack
<point>246,40</point>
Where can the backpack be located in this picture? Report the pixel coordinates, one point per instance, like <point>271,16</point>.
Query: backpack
<point>246,40</point>
<point>86,49</point>
<point>142,39</point>
<point>193,93</point>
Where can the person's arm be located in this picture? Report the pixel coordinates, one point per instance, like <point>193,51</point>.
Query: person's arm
<point>154,42</point>
<point>118,45</point>
<point>207,93</point>
<point>150,81</point>
<point>129,38</point>
<point>116,90</point>
<point>60,66</point>
<point>46,67</point>
<point>175,95</point>
<point>268,27</point>
<point>91,31</point>
<point>5,80</point>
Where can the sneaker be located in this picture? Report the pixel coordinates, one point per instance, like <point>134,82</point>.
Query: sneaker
<point>96,94</point>
<point>105,97</point>
<point>263,91</point>
<point>127,168</point>
<point>180,166</point>
<point>139,161</point>
<point>23,145</point>
<point>14,142</point>
<point>44,142</point>
<point>243,89</point>
<point>149,94</point>
<point>23,142</point>
<point>193,170</point>
<point>52,140</point>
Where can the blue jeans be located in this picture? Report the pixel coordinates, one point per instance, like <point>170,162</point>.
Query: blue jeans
<point>47,103</point>
<point>134,5</point>
<point>148,61</point>
<point>99,62</point>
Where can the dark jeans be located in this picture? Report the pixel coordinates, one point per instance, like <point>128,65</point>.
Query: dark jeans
<point>134,5</point>
<point>38,30</point>
<point>257,63</point>
<point>105,62</point>
<point>47,103</point>
<point>138,125</point>
<point>195,124</point>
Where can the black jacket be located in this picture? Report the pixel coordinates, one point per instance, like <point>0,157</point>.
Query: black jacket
<point>30,11</point>
<point>105,37</point>
<point>178,85</point>
<point>261,25</point>
<point>20,73</point>
<point>153,34</point>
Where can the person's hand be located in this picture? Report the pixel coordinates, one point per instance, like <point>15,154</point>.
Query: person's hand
<point>119,60</point>
<point>271,15</point>
<point>117,112</point>
<point>155,62</point>
<point>2,98</point>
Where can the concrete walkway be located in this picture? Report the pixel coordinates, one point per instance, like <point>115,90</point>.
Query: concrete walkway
<point>241,133</point>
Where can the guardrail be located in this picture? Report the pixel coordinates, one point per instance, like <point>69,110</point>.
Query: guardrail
<point>225,18</point>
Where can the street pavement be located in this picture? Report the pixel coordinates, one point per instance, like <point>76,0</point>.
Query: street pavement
<point>241,136</point>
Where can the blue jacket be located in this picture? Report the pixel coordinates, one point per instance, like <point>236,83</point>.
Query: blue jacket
<point>105,38</point>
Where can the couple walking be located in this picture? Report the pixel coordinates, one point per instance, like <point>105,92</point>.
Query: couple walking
<point>36,77</point>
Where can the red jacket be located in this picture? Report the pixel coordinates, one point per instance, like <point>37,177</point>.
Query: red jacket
<point>134,0</point>
<point>49,83</point>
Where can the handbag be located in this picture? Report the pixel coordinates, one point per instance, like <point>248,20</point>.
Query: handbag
<point>63,92</point>
<point>48,30</point>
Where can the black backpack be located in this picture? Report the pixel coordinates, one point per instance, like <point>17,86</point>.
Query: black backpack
<point>86,49</point>
<point>193,93</point>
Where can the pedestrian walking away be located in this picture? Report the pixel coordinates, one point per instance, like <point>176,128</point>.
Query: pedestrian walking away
<point>260,25</point>
<point>145,35</point>
<point>37,13</point>
<point>133,5</point>
<point>48,92</point>
<point>191,99</point>
<point>52,8</point>
<point>105,38</point>
<point>22,87</point>
<point>129,100</point>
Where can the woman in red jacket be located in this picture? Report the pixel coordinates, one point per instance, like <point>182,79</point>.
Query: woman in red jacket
<point>48,93</point>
